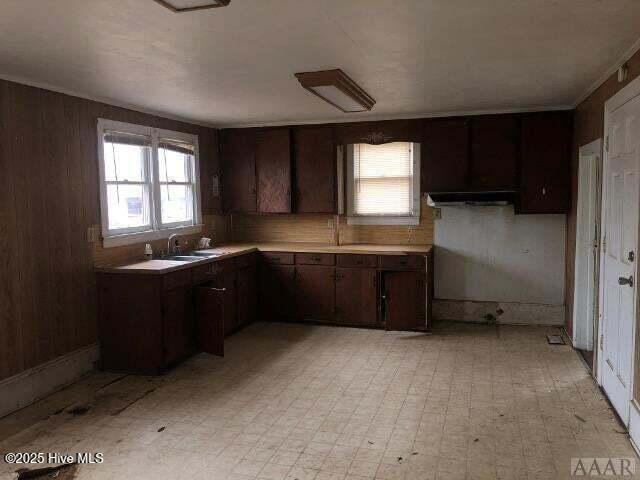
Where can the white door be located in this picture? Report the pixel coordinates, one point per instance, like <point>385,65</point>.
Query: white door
<point>620,232</point>
<point>587,239</point>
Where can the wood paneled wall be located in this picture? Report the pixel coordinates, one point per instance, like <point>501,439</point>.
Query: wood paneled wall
<point>332,229</point>
<point>588,126</point>
<point>48,199</point>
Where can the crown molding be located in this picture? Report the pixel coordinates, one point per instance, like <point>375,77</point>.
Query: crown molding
<point>610,71</point>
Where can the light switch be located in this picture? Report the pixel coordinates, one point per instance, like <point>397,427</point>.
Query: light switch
<point>215,186</point>
<point>92,233</point>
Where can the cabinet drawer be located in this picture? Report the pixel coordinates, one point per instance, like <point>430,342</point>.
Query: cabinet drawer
<point>401,262</point>
<point>177,279</point>
<point>315,259</point>
<point>201,274</point>
<point>222,266</point>
<point>278,257</point>
<point>348,260</point>
<point>246,260</point>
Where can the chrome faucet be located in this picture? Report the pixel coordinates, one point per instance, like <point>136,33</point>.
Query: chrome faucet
<point>173,246</point>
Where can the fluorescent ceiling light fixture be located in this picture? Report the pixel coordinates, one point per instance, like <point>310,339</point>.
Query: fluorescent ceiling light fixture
<point>179,6</point>
<point>336,88</point>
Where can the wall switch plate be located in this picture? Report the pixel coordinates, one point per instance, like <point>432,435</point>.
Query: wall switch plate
<point>92,233</point>
<point>437,213</point>
<point>215,186</point>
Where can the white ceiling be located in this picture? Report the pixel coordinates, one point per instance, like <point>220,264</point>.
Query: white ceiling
<point>235,65</point>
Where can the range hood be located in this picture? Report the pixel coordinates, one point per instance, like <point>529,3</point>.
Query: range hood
<point>470,198</point>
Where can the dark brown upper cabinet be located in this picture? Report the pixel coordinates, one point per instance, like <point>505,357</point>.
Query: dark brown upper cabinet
<point>273,170</point>
<point>445,156</point>
<point>237,149</point>
<point>494,153</point>
<point>545,185</point>
<point>315,170</point>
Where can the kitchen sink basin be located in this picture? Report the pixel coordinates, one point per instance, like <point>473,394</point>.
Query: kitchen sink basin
<point>184,258</point>
<point>206,254</point>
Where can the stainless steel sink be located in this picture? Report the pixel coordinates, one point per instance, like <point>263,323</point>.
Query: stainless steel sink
<point>184,258</point>
<point>206,254</point>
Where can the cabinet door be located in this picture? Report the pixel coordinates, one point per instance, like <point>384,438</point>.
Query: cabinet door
<point>177,324</point>
<point>445,156</point>
<point>494,153</point>
<point>130,321</point>
<point>273,170</point>
<point>237,148</point>
<point>405,300</point>
<point>276,287</point>
<point>227,281</point>
<point>210,319</point>
<point>356,294</point>
<point>315,292</point>
<point>315,170</point>
<point>247,295</point>
<point>546,156</point>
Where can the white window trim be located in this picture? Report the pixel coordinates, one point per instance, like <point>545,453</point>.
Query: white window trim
<point>158,231</point>
<point>414,219</point>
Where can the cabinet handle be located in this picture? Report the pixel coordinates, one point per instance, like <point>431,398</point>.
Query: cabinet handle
<point>544,191</point>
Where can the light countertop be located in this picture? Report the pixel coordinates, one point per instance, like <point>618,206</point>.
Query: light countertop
<point>161,266</point>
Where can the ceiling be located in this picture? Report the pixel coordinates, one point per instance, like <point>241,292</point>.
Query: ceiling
<point>235,65</point>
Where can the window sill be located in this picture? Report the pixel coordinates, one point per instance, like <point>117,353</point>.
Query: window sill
<point>148,236</point>
<point>382,220</point>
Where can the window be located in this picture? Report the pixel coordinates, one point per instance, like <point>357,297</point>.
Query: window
<point>383,186</point>
<point>149,183</point>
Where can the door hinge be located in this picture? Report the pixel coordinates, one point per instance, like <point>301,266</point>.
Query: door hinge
<point>606,143</point>
<point>601,341</point>
<point>604,243</point>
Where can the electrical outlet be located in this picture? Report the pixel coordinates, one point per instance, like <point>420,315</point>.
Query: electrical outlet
<point>330,223</point>
<point>437,213</point>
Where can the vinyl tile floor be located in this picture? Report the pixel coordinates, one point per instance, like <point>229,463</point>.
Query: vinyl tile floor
<point>303,402</point>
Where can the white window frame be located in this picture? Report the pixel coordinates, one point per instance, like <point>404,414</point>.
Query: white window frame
<point>157,230</point>
<point>383,219</point>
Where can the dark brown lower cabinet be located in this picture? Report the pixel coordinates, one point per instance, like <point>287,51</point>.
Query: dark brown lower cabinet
<point>247,292</point>
<point>404,300</point>
<point>210,319</point>
<point>276,292</point>
<point>227,281</point>
<point>146,321</point>
<point>177,324</point>
<point>315,292</point>
<point>356,296</point>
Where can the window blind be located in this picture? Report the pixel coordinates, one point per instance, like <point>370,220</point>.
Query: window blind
<point>383,179</point>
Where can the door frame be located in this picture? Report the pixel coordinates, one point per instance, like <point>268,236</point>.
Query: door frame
<point>580,329</point>
<point>626,94</point>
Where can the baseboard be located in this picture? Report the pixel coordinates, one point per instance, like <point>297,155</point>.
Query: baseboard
<point>506,313</point>
<point>31,385</point>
